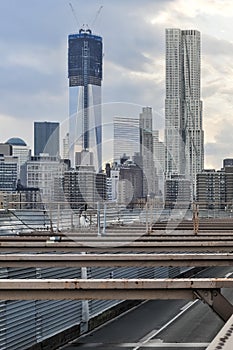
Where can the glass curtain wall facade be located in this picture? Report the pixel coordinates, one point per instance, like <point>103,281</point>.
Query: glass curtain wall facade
<point>126,139</point>
<point>47,138</point>
<point>85,54</point>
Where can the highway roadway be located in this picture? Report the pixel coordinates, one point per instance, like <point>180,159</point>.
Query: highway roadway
<point>160,325</point>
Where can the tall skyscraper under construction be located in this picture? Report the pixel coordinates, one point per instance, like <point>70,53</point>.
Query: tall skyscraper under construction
<point>184,135</point>
<point>85,53</point>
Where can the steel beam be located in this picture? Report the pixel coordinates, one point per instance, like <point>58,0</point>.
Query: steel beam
<point>53,246</point>
<point>115,260</point>
<point>130,236</point>
<point>140,236</point>
<point>107,289</point>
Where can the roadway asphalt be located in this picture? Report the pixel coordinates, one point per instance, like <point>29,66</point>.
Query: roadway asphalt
<point>159,324</point>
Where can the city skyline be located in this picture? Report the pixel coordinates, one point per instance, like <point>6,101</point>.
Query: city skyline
<point>34,61</point>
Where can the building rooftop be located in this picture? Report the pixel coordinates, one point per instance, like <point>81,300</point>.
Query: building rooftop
<point>16,141</point>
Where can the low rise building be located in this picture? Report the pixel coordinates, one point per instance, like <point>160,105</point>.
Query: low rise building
<point>40,172</point>
<point>83,187</point>
<point>211,189</point>
<point>8,173</point>
<point>177,192</point>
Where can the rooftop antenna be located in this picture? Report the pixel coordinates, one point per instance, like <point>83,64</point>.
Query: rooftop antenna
<point>74,14</point>
<point>96,16</point>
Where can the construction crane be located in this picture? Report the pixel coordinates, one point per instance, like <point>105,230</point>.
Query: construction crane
<point>77,21</point>
<point>96,16</point>
<point>75,16</point>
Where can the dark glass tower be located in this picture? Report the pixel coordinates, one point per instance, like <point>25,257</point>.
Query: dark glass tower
<point>85,55</point>
<point>46,138</point>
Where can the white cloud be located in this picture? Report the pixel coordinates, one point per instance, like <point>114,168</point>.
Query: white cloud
<point>12,126</point>
<point>191,9</point>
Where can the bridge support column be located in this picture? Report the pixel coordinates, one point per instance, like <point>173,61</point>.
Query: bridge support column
<point>220,305</point>
<point>85,305</point>
<point>195,219</point>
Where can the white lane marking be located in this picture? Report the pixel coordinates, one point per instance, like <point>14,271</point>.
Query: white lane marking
<point>187,305</point>
<point>228,274</point>
<point>175,345</point>
<point>153,334</point>
<point>151,344</point>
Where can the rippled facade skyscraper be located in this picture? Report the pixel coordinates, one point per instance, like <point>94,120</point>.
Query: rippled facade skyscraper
<point>85,56</point>
<point>184,135</point>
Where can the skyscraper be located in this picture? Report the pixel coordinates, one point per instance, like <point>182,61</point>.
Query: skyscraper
<point>150,180</point>
<point>159,159</point>
<point>125,137</point>
<point>65,154</point>
<point>184,136</point>
<point>47,138</point>
<point>85,54</point>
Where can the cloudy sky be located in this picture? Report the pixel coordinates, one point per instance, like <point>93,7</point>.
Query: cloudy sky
<point>33,64</point>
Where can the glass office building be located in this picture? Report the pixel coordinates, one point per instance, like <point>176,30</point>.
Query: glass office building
<point>85,54</point>
<point>47,138</point>
<point>125,137</point>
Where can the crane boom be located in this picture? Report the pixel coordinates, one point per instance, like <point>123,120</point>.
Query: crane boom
<point>74,14</point>
<point>96,16</point>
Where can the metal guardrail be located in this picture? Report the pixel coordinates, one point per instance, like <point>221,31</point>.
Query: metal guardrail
<point>67,220</point>
<point>125,289</point>
<point>116,260</point>
<point>150,247</point>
